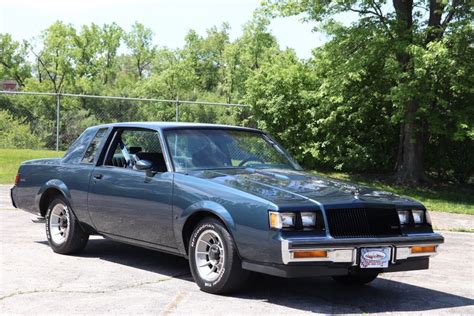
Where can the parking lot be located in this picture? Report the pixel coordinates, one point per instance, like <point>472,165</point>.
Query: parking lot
<point>113,278</point>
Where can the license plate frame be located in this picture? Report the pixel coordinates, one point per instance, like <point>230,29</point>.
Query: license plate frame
<point>375,257</point>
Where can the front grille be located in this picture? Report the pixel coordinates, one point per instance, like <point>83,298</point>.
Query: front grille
<point>363,222</point>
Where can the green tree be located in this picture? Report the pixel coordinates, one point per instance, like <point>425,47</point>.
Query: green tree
<point>87,49</point>
<point>447,71</point>
<point>408,29</point>
<point>233,73</point>
<point>14,60</point>
<point>205,55</point>
<point>112,35</point>
<point>95,53</point>
<point>278,92</point>
<point>246,54</point>
<point>351,121</point>
<point>257,42</point>
<point>140,42</point>
<point>55,59</point>
<point>176,75</point>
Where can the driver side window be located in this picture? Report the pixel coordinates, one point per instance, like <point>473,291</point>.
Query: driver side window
<point>132,145</point>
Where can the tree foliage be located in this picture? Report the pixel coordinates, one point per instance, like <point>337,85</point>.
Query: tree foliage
<point>395,56</point>
<point>13,60</point>
<point>140,43</point>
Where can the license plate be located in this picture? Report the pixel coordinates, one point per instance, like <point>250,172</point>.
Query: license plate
<point>375,257</point>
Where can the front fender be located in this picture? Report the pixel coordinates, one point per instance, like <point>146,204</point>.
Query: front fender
<point>207,206</point>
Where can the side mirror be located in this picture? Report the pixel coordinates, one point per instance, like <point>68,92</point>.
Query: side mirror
<point>143,165</point>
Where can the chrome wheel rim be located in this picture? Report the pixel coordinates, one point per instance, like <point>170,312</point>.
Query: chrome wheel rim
<point>209,256</point>
<point>59,223</point>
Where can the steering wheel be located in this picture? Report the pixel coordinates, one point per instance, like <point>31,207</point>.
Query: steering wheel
<point>250,158</point>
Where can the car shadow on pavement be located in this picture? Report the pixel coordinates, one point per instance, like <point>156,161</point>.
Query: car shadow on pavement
<point>323,295</point>
<point>319,295</point>
<point>136,257</point>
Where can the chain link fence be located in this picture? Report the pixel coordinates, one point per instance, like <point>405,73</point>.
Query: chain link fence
<point>39,120</point>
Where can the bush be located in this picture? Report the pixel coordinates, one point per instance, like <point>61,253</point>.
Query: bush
<point>17,134</point>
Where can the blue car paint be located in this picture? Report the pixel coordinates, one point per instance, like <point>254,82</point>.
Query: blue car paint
<point>127,203</point>
<point>245,215</point>
<point>241,198</point>
<point>55,184</point>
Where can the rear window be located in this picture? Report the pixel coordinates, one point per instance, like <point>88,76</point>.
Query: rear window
<point>91,151</point>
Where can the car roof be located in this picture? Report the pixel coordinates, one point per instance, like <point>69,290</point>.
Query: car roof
<point>175,125</point>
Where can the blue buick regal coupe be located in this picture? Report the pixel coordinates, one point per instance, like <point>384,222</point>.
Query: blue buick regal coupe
<point>230,199</point>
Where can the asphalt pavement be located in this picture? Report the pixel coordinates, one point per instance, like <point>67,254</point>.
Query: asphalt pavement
<point>113,278</point>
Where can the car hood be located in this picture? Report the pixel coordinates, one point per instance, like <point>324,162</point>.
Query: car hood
<point>282,185</point>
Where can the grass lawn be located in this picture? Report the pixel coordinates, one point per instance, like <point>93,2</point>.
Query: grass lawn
<point>440,198</point>
<point>10,160</point>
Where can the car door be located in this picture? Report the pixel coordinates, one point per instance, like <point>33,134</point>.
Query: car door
<point>130,203</point>
<point>77,166</point>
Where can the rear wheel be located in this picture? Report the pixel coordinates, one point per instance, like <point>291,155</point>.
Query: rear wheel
<point>64,234</point>
<point>357,277</point>
<point>213,259</point>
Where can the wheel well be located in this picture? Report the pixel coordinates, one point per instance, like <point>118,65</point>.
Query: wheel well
<point>192,221</point>
<point>46,198</point>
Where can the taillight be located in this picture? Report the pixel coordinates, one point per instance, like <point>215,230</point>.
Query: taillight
<point>17,179</point>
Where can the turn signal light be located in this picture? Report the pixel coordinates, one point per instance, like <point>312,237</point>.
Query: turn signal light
<point>310,254</point>
<point>423,249</point>
<point>274,220</point>
<point>281,220</point>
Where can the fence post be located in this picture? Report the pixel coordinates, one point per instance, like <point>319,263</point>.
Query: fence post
<point>58,105</point>
<point>177,110</point>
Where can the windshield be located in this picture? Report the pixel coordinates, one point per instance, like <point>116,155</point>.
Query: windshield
<point>225,148</point>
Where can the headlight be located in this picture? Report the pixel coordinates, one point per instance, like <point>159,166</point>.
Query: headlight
<point>418,216</point>
<point>308,219</point>
<point>281,220</point>
<point>404,217</point>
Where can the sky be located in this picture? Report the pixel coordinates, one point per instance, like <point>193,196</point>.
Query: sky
<point>170,20</point>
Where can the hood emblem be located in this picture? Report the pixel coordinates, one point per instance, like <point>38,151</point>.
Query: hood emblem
<point>356,192</point>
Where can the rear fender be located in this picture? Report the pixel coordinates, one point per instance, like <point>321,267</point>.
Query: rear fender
<point>62,189</point>
<point>57,185</point>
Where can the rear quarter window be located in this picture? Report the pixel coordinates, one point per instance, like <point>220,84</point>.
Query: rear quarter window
<point>92,149</point>
<point>76,151</point>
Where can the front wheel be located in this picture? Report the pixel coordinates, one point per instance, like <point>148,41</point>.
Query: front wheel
<point>64,234</point>
<point>357,277</point>
<point>213,258</point>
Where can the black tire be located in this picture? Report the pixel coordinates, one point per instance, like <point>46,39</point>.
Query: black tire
<point>357,277</point>
<point>232,277</point>
<point>75,240</point>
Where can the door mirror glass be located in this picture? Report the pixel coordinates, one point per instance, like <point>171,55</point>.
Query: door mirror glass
<point>143,165</point>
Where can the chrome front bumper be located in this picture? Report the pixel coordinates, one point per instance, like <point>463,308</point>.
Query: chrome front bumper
<point>347,250</point>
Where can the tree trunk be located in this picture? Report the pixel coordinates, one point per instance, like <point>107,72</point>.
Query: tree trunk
<point>435,30</point>
<point>410,152</point>
<point>412,130</point>
<point>410,160</point>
